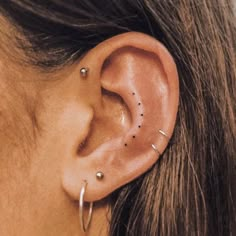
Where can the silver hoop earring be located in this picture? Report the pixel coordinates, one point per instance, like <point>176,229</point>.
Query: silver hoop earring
<point>81,208</point>
<point>155,149</point>
<point>164,134</point>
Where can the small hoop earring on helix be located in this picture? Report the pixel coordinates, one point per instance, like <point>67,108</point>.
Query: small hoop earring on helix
<point>81,209</point>
<point>154,147</point>
<point>164,134</point>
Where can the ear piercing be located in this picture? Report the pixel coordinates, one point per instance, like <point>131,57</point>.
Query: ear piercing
<point>84,72</point>
<point>164,134</point>
<point>154,147</point>
<point>83,225</point>
<point>99,175</point>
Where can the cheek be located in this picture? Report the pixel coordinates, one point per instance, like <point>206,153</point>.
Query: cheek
<point>17,132</point>
<point>18,118</point>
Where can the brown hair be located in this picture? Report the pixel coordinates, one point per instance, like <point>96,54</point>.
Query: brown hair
<point>188,191</point>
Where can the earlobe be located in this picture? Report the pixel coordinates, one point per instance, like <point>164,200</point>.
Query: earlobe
<point>138,70</point>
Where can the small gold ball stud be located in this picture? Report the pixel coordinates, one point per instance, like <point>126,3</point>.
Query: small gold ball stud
<point>99,175</point>
<point>84,72</point>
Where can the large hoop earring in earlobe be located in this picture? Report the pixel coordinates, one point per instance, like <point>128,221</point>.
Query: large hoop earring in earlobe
<point>84,226</point>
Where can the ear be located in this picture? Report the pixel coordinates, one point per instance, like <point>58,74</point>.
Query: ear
<point>136,95</point>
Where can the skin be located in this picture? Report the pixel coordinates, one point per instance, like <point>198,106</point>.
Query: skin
<point>33,201</point>
<point>58,129</point>
<point>35,109</point>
